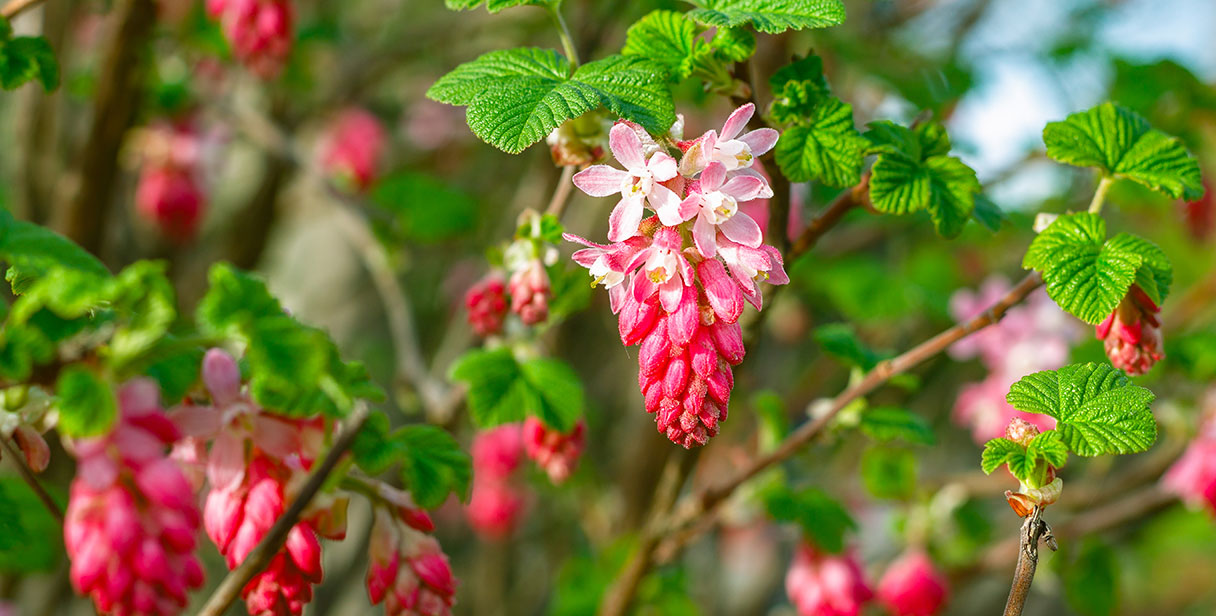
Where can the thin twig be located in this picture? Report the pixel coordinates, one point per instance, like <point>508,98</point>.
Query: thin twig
<point>14,8</point>
<point>1032,530</point>
<point>270,545</point>
<point>28,475</point>
<point>561,193</point>
<point>846,201</point>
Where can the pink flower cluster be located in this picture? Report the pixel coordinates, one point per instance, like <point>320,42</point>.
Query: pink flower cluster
<point>1193,476</point>
<point>486,303</point>
<point>168,192</point>
<point>682,300</point>
<point>556,452</point>
<point>530,292</point>
<point>1132,333</point>
<point>1033,336</point>
<point>132,520</point>
<point>407,571</point>
<point>527,291</point>
<point>352,147</point>
<point>256,463</point>
<point>258,30</point>
<point>913,586</point>
<point>823,584</point>
<point>497,502</point>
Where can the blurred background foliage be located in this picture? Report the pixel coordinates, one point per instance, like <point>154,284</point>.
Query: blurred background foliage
<point>993,70</point>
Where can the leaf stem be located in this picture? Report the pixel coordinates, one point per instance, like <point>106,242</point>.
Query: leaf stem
<point>563,32</point>
<point>1095,206</point>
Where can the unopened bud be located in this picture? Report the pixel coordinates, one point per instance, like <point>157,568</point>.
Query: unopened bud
<point>1021,431</point>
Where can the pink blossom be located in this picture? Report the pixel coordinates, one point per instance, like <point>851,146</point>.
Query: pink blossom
<point>715,204</point>
<point>750,266</point>
<point>168,192</point>
<point>662,269</point>
<point>486,303</point>
<point>498,451</point>
<point>530,292</point>
<point>407,570</point>
<point>131,523</point>
<point>734,151</point>
<point>912,586</point>
<point>821,584</point>
<point>1132,333</point>
<point>640,183</point>
<point>555,452</point>
<point>609,264</point>
<point>495,507</point>
<point>258,30</point>
<point>352,147</point>
<point>1193,476</point>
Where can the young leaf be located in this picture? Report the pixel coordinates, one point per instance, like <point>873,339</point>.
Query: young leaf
<point>27,58</point>
<point>821,517</point>
<point>559,393</point>
<point>1120,143</point>
<point>913,172</point>
<point>823,147</point>
<point>733,44</point>
<point>1097,409</point>
<point>668,39</point>
<point>374,450</point>
<point>888,423</point>
<point>433,465</point>
<point>1050,447</point>
<point>86,403</point>
<point>1000,451</point>
<point>770,16</point>
<point>498,393</point>
<point>1089,277</point>
<point>515,97</point>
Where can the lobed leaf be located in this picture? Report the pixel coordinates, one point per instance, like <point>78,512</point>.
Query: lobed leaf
<point>668,39</point>
<point>770,16</point>
<point>826,148</point>
<point>888,423</point>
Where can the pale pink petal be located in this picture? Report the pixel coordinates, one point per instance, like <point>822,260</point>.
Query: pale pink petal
<point>766,191</point>
<point>737,121</point>
<point>662,166</point>
<point>99,472</point>
<point>643,287</point>
<point>743,187</point>
<point>277,438</point>
<point>600,180</point>
<point>226,462</point>
<point>196,421</point>
<point>776,275</point>
<point>704,235</point>
<point>690,206</point>
<point>742,229</point>
<point>625,218</point>
<point>760,141</point>
<point>697,156</point>
<point>570,237</point>
<point>587,256</point>
<point>627,148</point>
<point>712,177</point>
<point>667,204</point>
<point>670,293</point>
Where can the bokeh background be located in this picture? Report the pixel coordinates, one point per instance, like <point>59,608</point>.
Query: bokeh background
<point>994,71</point>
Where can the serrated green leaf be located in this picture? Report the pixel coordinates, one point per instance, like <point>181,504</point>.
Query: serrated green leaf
<point>1088,277</point>
<point>827,148</point>
<point>32,250</point>
<point>841,340</point>
<point>988,213</point>
<point>806,69</point>
<point>516,97</point>
<point>433,465</point>
<point>733,44</point>
<point>887,137</point>
<point>498,393</point>
<point>559,393</point>
<point>888,423</point>
<point>770,16</point>
<point>86,404</point>
<point>999,451</point>
<point>234,300</point>
<point>27,58</point>
<point>373,450</point>
<point>821,517</point>
<point>495,6</point>
<point>1049,446</point>
<point>144,300</point>
<point>668,39</point>
<point>943,185</point>
<point>1097,409</point>
<point>1120,143</point>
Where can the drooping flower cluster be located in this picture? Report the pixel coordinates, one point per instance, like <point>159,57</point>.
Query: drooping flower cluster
<point>823,584</point>
<point>352,147</point>
<point>169,193</point>
<point>486,303</point>
<point>257,462</point>
<point>913,586</point>
<point>1033,336</point>
<point>407,569</point>
<point>497,502</point>
<point>260,32</point>
<point>1132,333</point>
<point>555,452</point>
<point>1193,476</point>
<point>132,521</point>
<point>681,300</point>
<point>1028,497</point>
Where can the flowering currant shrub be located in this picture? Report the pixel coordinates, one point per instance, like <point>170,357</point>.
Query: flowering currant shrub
<point>564,307</point>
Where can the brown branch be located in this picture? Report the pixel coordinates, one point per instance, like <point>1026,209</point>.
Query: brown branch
<point>231,585</point>
<point>849,199</point>
<point>119,92</point>
<point>28,475</point>
<point>14,8</point>
<point>1033,530</point>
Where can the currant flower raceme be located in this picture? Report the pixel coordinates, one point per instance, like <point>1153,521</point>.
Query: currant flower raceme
<point>408,571</point>
<point>714,202</point>
<point>131,524</point>
<point>497,452</point>
<point>821,584</point>
<point>1132,333</point>
<point>640,184</point>
<point>168,192</point>
<point>260,32</point>
<point>1193,476</point>
<point>557,453</point>
<point>530,292</point>
<point>486,303</point>
<point>608,264</point>
<point>913,586</point>
<point>352,148</point>
<point>497,502</point>
<point>734,151</point>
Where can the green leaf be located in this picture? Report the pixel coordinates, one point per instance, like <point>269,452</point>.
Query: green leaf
<point>1088,277</point>
<point>988,213</point>
<point>234,301</point>
<point>425,209</point>
<point>498,393</point>
<point>888,423</point>
<point>144,301</point>
<point>826,148</point>
<point>516,97</point>
<point>889,472</point>
<point>841,340</point>
<point>374,450</point>
<point>1120,143</point>
<point>495,6</point>
<point>32,250</point>
<point>805,69</point>
<point>1000,451</point>
<point>86,403</point>
<point>1097,409</point>
<point>27,58</point>
<point>770,16</point>
<point>1048,446</point>
<point>913,172</point>
<point>559,393</point>
<point>668,39</point>
<point>821,517</point>
<point>433,465</point>
<point>733,44</point>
